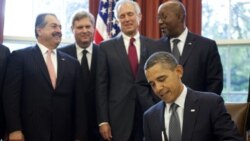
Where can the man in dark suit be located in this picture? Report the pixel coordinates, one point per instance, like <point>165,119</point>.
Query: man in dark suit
<point>198,55</point>
<point>43,97</point>
<point>122,91</point>
<point>4,54</point>
<point>199,116</point>
<point>83,29</point>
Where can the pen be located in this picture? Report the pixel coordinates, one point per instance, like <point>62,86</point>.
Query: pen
<point>162,135</point>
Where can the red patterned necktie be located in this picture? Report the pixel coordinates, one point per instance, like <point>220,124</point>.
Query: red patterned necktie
<point>133,56</point>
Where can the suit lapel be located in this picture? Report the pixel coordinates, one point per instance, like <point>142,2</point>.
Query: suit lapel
<point>122,54</point>
<point>73,51</point>
<point>166,44</point>
<point>38,57</point>
<point>143,56</point>
<point>190,114</point>
<point>188,47</point>
<point>60,68</point>
<point>93,63</point>
<point>162,121</point>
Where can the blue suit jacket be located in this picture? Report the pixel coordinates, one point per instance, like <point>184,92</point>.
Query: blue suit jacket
<point>4,54</point>
<point>35,107</point>
<point>201,63</point>
<point>205,119</point>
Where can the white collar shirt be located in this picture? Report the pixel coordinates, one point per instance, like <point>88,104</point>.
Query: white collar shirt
<point>44,50</point>
<point>137,43</point>
<point>80,54</point>
<point>180,101</point>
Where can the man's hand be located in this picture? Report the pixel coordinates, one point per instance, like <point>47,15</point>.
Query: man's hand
<point>16,136</point>
<point>105,131</point>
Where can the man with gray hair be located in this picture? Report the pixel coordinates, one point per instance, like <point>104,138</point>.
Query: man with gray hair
<point>122,90</point>
<point>85,52</point>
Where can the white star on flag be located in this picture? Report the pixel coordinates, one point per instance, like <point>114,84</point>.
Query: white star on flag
<point>106,26</point>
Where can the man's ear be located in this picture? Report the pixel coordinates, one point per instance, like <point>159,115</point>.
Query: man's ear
<point>179,70</point>
<point>139,17</point>
<point>38,31</point>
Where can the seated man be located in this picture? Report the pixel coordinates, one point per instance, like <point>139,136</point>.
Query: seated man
<point>183,114</point>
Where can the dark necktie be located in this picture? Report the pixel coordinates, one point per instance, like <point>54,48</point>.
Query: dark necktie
<point>174,124</point>
<point>133,56</point>
<point>84,63</point>
<point>176,51</point>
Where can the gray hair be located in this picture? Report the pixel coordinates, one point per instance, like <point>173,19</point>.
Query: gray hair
<point>81,15</point>
<point>161,57</point>
<point>121,2</point>
<point>40,21</point>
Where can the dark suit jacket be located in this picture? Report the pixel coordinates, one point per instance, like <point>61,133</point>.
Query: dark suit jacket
<point>4,53</point>
<point>32,104</point>
<point>201,62</point>
<point>209,122</point>
<point>89,91</point>
<point>118,92</point>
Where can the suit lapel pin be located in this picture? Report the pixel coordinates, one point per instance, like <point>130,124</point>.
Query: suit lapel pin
<point>63,59</point>
<point>192,110</point>
<point>190,43</point>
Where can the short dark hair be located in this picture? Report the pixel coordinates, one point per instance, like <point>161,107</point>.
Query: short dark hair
<point>161,57</point>
<point>40,21</point>
<point>81,15</point>
<point>179,9</point>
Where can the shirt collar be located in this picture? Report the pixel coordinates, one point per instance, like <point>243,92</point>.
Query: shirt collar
<point>44,49</point>
<point>79,49</point>
<point>183,36</point>
<point>180,101</point>
<point>137,36</point>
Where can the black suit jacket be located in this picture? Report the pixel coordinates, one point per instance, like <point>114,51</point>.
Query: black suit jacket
<point>205,119</point>
<point>119,94</point>
<point>201,62</point>
<point>4,53</point>
<point>31,103</point>
<point>89,91</point>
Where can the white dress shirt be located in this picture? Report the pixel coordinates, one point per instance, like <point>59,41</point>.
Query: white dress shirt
<point>80,54</point>
<point>180,101</point>
<point>137,43</point>
<point>53,55</point>
<point>182,39</point>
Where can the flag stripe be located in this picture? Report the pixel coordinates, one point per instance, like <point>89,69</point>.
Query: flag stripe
<point>106,27</point>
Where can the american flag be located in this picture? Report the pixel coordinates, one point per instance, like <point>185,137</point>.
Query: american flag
<point>106,26</point>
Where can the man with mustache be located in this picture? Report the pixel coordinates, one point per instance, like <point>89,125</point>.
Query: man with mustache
<point>83,29</point>
<point>43,98</point>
